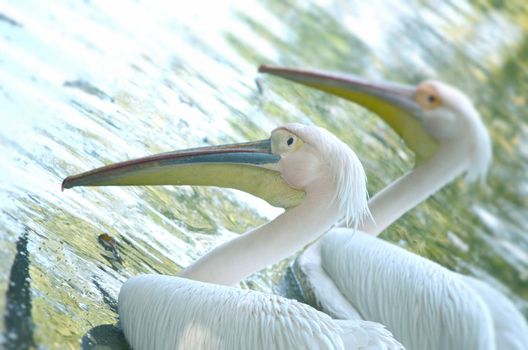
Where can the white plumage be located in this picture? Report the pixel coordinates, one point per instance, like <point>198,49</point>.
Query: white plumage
<point>425,305</point>
<point>511,329</point>
<point>356,276</point>
<point>162,312</point>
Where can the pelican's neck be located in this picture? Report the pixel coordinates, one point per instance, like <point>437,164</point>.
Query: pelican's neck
<point>235,260</point>
<point>414,187</point>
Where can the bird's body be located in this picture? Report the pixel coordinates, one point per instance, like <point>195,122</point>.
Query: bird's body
<point>421,302</point>
<point>178,313</point>
<point>511,329</point>
<point>201,310</point>
<point>354,276</point>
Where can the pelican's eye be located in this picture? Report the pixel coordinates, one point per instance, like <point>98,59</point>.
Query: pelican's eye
<point>284,142</point>
<point>427,96</point>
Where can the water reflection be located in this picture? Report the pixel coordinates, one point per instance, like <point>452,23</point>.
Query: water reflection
<point>91,83</point>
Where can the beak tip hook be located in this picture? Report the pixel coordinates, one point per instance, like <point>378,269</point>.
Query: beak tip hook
<point>64,184</point>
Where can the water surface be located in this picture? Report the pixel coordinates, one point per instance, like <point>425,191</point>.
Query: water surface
<point>89,83</point>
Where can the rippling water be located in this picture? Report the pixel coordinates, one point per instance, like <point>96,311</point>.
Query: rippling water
<point>88,83</point>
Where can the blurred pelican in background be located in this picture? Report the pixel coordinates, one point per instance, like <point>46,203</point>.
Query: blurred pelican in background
<point>305,169</point>
<point>356,276</point>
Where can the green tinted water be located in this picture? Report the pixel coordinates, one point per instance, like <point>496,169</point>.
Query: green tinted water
<point>91,83</point>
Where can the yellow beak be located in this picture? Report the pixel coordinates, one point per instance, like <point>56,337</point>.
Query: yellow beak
<point>394,103</point>
<point>249,167</point>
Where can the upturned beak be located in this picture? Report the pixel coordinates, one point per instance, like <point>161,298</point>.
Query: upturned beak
<point>249,167</point>
<point>394,103</point>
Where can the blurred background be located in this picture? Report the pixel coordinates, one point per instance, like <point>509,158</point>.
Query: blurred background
<point>87,83</point>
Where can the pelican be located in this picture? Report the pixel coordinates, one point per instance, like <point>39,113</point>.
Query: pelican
<point>305,169</point>
<point>424,305</point>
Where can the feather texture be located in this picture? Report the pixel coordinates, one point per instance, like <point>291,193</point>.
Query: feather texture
<point>161,312</point>
<point>342,163</point>
<point>511,329</point>
<point>423,304</point>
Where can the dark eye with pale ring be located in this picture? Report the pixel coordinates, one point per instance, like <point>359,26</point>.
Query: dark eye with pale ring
<point>432,98</point>
<point>290,141</point>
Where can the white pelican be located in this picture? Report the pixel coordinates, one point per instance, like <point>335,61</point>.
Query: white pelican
<point>304,169</point>
<point>423,304</point>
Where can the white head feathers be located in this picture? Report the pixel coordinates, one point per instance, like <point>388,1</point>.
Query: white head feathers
<point>343,165</point>
<point>459,116</point>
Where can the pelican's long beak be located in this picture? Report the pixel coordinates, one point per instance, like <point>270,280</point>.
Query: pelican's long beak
<point>394,103</point>
<point>249,167</point>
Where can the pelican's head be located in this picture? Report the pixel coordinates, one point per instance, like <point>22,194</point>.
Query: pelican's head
<point>318,162</point>
<point>429,116</point>
<point>295,162</point>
